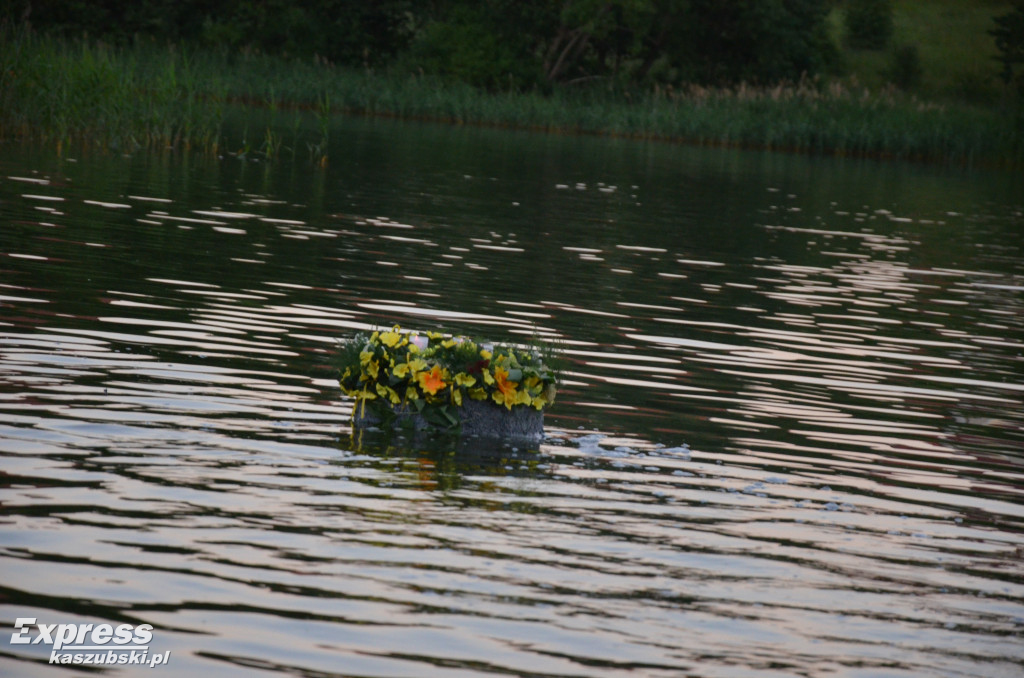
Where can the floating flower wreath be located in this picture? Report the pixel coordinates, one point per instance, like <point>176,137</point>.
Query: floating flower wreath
<point>432,374</point>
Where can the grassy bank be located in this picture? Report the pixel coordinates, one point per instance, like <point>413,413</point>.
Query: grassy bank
<point>957,54</point>
<point>57,91</point>
<point>148,96</point>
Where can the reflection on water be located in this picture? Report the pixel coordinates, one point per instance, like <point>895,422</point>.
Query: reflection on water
<point>788,441</point>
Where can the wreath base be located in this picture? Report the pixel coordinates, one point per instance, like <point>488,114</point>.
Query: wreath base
<point>474,418</point>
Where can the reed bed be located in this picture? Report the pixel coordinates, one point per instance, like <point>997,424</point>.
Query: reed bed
<point>149,96</point>
<point>62,92</point>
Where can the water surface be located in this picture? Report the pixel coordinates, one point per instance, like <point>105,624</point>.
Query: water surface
<point>789,439</point>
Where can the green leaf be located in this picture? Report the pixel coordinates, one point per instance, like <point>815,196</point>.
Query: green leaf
<point>383,411</point>
<point>441,416</point>
<point>452,417</point>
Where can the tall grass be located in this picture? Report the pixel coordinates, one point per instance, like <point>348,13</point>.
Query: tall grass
<point>59,91</point>
<point>155,97</point>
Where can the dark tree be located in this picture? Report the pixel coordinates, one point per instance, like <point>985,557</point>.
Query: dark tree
<point>1009,38</point>
<point>351,32</point>
<point>869,23</point>
<point>760,41</point>
<point>496,44</point>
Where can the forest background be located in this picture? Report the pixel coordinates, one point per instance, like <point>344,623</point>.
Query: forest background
<point>921,79</point>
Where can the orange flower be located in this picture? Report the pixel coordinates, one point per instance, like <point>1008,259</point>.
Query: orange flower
<point>504,385</point>
<point>431,381</point>
<point>506,393</point>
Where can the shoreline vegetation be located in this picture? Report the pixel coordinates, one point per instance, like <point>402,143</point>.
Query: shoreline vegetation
<point>84,93</point>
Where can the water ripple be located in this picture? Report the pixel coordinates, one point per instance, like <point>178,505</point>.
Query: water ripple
<point>796,451</point>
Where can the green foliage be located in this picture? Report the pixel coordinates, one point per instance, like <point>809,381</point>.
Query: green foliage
<point>471,45</point>
<point>904,69</point>
<point>759,41</point>
<point>490,44</point>
<point>1009,39</point>
<point>351,32</point>
<point>869,23</point>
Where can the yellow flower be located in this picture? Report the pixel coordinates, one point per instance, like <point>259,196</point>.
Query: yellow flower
<point>370,366</point>
<point>432,381</point>
<point>463,379</point>
<point>457,397</point>
<point>477,394</point>
<point>448,343</point>
<point>389,393</point>
<point>434,335</point>
<point>410,368</point>
<point>485,354</point>
<point>391,338</point>
<point>411,393</point>
<point>537,393</point>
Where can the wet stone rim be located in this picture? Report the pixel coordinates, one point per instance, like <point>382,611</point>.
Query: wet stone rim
<point>476,418</point>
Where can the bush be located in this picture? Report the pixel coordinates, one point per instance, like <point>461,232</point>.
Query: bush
<point>767,41</point>
<point>466,46</point>
<point>904,69</point>
<point>868,24</point>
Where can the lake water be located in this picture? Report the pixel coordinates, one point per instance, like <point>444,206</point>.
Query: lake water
<point>789,439</point>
